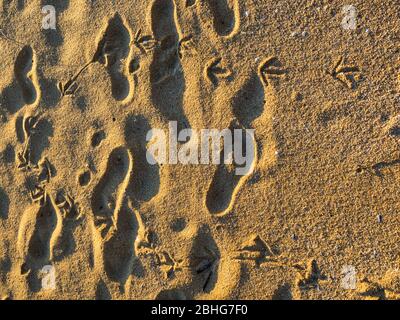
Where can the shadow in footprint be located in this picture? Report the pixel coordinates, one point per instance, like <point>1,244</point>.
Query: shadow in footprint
<point>203,261</point>
<point>20,5</point>
<point>112,50</point>
<point>114,219</point>
<point>11,98</point>
<point>248,103</point>
<point>40,139</point>
<point>102,292</point>
<point>146,177</point>
<point>50,93</point>
<point>81,103</point>
<point>228,179</point>
<point>39,244</point>
<point>284,292</point>
<point>171,294</point>
<point>9,5</point>
<point>168,82</point>
<point>4,204</point>
<point>8,154</point>
<point>223,15</point>
<point>24,73</point>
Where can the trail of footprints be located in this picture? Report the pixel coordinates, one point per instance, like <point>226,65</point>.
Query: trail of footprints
<point>45,228</point>
<point>45,232</point>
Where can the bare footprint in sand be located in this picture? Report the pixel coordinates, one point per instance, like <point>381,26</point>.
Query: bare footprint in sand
<point>247,105</point>
<point>112,51</point>
<point>35,239</point>
<point>168,82</point>
<point>145,175</point>
<point>25,74</point>
<point>228,178</point>
<point>115,221</point>
<point>166,62</point>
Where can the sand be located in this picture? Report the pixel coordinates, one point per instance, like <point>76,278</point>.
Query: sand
<point>83,215</point>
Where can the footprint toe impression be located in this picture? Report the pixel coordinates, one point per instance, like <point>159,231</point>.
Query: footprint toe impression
<point>112,50</point>
<point>223,14</point>
<point>25,74</point>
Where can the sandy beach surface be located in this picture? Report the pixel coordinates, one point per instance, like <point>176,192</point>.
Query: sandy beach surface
<point>85,215</point>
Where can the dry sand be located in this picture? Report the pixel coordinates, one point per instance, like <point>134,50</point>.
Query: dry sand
<point>76,191</point>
